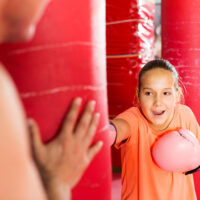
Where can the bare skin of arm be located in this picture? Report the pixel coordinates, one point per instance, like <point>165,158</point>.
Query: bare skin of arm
<point>19,177</point>
<point>122,128</point>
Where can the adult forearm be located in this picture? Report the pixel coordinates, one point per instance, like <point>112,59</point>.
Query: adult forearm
<point>58,192</point>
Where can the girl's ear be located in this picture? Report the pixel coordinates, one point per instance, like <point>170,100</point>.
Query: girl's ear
<point>137,94</point>
<point>179,95</point>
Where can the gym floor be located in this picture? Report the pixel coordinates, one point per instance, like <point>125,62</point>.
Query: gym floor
<point>116,186</point>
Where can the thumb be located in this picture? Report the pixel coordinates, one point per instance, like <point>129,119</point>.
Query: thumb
<point>36,142</point>
<point>94,150</point>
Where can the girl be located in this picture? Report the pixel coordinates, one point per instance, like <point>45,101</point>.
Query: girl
<point>139,127</point>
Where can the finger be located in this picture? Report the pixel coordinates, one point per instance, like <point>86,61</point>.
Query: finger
<point>91,130</point>
<point>35,136</point>
<point>85,120</point>
<point>70,119</point>
<point>94,150</point>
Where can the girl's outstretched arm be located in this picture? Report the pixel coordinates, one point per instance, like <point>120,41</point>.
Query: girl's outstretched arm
<point>122,130</point>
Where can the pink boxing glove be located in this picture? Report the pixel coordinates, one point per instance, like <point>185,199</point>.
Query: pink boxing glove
<point>177,151</point>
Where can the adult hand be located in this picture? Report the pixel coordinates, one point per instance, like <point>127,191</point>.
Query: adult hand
<point>63,160</point>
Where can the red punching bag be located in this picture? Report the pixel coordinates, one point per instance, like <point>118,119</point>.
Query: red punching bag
<point>181,46</point>
<point>130,36</point>
<point>66,59</point>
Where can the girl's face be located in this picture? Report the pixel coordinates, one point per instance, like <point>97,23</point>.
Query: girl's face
<point>158,97</point>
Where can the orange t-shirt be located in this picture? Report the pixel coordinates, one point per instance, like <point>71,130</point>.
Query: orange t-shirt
<point>142,179</point>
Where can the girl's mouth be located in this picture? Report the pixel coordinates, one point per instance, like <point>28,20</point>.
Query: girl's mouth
<point>158,113</point>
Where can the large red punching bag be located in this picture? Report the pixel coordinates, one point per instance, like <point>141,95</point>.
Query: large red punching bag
<point>66,59</point>
<point>181,46</point>
<point>130,37</point>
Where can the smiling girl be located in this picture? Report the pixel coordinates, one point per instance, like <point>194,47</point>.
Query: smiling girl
<point>158,112</point>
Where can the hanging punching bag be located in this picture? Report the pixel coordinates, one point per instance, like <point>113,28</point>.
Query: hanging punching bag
<point>129,36</point>
<point>181,46</point>
<point>66,59</point>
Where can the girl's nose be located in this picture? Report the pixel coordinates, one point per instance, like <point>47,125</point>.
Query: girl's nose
<point>157,100</point>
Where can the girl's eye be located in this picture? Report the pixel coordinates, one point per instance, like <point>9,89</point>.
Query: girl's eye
<point>166,93</point>
<point>148,93</point>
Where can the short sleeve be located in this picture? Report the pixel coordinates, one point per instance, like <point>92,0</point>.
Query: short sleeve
<point>131,117</point>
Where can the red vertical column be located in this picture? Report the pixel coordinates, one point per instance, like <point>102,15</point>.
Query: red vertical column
<point>130,37</point>
<point>66,59</point>
<point>181,46</point>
